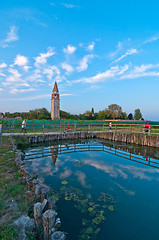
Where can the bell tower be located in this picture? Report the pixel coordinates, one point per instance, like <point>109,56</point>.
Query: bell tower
<point>55,103</point>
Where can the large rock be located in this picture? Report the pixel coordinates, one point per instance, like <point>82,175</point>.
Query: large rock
<point>24,225</point>
<point>58,235</point>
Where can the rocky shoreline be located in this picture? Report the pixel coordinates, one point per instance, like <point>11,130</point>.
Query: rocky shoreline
<point>45,217</point>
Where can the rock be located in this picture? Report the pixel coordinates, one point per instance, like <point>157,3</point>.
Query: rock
<point>58,222</point>
<point>37,189</point>
<point>48,222</point>
<point>24,224</point>
<point>4,219</point>
<point>45,205</point>
<point>38,214</point>
<point>51,202</point>
<point>58,235</point>
<point>44,193</point>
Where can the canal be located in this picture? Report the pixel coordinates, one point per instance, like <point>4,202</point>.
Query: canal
<point>104,189</point>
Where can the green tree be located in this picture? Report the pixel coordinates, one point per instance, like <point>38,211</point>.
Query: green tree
<point>101,115</point>
<point>130,116</point>
<point>115,111</point>
<point>124,115</point>
<point>138,114</point>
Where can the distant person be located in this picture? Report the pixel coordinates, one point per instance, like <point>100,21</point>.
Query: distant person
<point>147,126</point>
<point>67,129</point>
<point>23,126</point>
<point>110,126</point>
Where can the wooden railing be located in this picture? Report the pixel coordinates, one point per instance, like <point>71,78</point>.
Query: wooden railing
<point>46,128</point>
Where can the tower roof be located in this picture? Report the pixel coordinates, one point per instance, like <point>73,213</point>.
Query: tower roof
<point>55,89</point>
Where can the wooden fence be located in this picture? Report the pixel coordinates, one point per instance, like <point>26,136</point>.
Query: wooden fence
<point>82,127</point>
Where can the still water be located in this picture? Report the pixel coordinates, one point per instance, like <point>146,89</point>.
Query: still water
<point>104,190</point>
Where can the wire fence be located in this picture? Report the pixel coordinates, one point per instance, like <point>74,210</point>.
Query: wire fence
<point>49,127</point>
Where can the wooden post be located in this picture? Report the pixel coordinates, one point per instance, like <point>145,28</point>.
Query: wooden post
<point>43,129</point>
<point>75,127</point>
<point>130,129</point>
<point>115,128</point>
<point>149,130</point>
<point>103,127</point>
<point>60,127</point>
<point>89,128</point>
<point>13,126</point>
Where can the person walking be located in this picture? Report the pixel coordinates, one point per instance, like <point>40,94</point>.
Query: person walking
<point>147,126</point>
<point>23,126</point>
<point>110,126</point>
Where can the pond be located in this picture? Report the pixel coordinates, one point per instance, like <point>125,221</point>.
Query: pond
<point>104,190</point>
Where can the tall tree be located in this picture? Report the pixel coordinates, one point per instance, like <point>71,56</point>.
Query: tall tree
<point>115,111</point>
<point>138,114</point>
<point>130,116</point>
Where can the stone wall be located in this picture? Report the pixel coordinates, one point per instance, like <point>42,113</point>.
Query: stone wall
<point>134,138</point>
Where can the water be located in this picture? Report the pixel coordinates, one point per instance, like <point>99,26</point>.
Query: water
<point>105,190</point>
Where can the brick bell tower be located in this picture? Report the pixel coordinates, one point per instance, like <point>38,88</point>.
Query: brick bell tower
<point>55,103</point>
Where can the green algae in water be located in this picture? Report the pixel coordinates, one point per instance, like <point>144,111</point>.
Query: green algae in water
<point>111,208</point>
<point>55,196</point>
<point>90,209</point>
<point>78,164</point>
<point>64,182</point>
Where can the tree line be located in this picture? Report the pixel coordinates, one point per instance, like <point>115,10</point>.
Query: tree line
<point>113,111</point>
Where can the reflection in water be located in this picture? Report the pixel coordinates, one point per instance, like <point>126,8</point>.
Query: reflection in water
<point>137,154</point>
<point>54,153</point>
<point>106,190</point>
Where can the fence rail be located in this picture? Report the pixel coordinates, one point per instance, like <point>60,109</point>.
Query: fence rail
<point>82,127</point>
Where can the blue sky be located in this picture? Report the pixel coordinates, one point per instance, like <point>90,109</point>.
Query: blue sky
<point>99,52</point>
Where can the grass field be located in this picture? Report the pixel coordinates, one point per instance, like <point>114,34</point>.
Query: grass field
<point>15,199</point>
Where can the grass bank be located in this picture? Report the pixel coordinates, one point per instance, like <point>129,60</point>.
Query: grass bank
<point>15,199</point>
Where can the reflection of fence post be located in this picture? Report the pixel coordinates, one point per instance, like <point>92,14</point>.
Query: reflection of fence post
<point>60,127</point>
<point>149,130</point>
<point>103,127</point>
<point>130,155</point>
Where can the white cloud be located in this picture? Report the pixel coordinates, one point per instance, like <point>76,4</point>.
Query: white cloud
<point>21,60</point>
<point>142,71</point>
<point>108,74</point>
<point>90,47</point>
<point>67,67</point>
<point>1,89</point>
<point>69,49</point>
<point>129,52</point>
<point>3,65</point>
<point>12,34</point>
<point>118,49</point>
<point>14,77</point>
<point>51,71</point>
<point>15,90</point>
<point>152,39</point>
<point>26,68</point>
<point>42,59</point>
<point>84,62</point>
<point>68,5</point>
